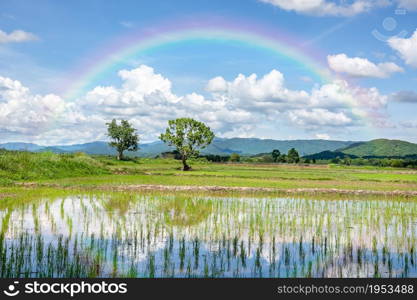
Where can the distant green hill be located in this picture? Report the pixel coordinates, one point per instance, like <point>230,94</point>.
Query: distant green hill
<point>381,147</point>
<point>220,146</point>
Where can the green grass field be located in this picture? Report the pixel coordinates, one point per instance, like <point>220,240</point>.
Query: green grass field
<point>80,170</point>
<point>250,175</point>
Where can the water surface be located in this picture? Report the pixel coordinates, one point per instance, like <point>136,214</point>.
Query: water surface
<point>135,235</point>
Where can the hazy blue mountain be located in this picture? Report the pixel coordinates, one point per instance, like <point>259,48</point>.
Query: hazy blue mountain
<point>90,148</point>
<point>220,146</point>
<point>53,149</point>
<point>21,146</point>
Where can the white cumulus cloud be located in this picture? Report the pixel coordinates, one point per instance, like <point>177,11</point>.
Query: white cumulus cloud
<point>318,117</point>
<point>361,67</point>
<point>22,111</point>
<point>327,8</point>
<point>406,48</point>
<point>146,98</point>
<point>333,104</point>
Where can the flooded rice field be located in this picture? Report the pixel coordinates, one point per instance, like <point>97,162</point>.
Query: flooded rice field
<point>133,235</point>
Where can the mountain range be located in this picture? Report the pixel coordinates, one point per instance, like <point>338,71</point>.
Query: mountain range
<point>319,149</point>
<point>219,146</point>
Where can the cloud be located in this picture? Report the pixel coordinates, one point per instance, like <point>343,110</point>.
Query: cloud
<point>20,111</point>
<point>327,8</point>
<point>127,24</point>
<point>333,104</point>
<point>147,99</point>
<point>406,48</point>
<point>322,136</point>
<point>231,108</point>
<point>318,117</point>
<point>16,36</point>
<point>361,67</point>
<point>265,94</point>
<point>8,16</point>
<point>45,119</point>
<point>404,96</point>
<point>409,124</point>
<point>217,85</point>
<point>339,94</point>
<point>407,4</point>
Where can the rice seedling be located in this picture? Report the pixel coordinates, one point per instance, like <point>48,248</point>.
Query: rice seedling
<point>162,235</point>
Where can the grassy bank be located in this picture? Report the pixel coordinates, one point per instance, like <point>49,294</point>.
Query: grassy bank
<point>250,175</point>
<point>27,166</point>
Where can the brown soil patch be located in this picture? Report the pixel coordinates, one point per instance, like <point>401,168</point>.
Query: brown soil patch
<point>6,195</point>
<point>156,187</point>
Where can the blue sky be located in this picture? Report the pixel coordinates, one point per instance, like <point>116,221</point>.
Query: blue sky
<point>367,47</point>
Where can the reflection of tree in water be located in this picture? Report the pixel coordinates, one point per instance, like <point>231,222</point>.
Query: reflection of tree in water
<point>118,203</point>
<point>185,211</point>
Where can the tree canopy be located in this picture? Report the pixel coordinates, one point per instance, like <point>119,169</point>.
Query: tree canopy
<point>123,137</point>
<point>188,136</point>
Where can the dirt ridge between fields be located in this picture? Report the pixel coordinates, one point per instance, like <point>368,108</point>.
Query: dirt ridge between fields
<point>159,187</point>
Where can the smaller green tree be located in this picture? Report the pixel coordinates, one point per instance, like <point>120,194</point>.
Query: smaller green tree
<point>188,136</point>
<point>123,137</point>
<point>335,160</point>
<point>234,157</point>
<point>282,158</point>
<point>275,154</point>
<point>347,161</point>
<point>293,156</point>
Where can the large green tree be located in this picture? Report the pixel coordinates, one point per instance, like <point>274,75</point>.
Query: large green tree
<point>123,137</point>
<point>188,136</point>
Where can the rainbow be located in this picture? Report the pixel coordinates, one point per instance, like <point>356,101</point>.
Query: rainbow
<point>108,57</point>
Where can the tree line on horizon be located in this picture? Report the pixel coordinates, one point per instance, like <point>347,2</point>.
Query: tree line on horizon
<point>189,136</point>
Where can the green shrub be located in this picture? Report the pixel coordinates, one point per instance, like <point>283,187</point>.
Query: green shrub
<point>397,163</point>
<point>235,157</point>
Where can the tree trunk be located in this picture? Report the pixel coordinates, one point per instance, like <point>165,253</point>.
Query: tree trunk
<point>120,155</point>
<point>185,166</point>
